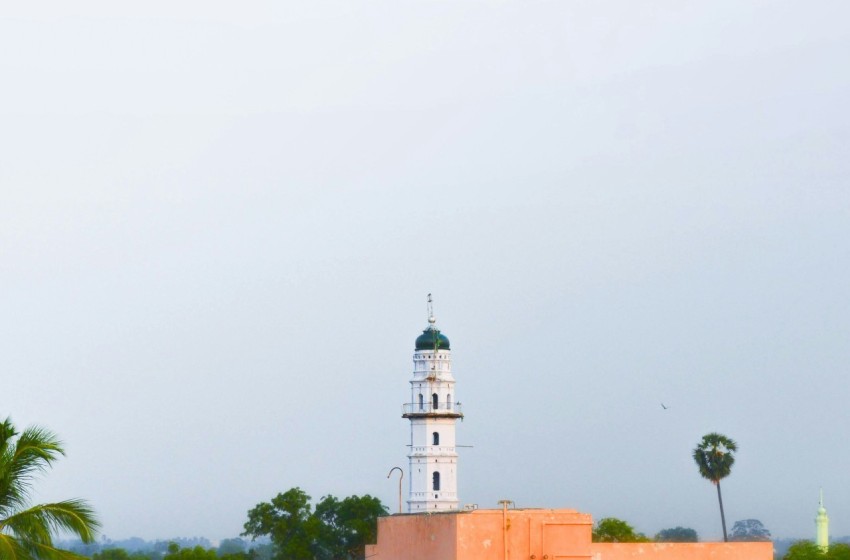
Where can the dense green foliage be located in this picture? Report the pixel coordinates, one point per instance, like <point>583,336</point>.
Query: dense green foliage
<point>840,551</point>
<point>804,550</point>
<point>122,554</point>
<point>749,530</point>
<point>336,530</point>
<point>229,547</point>
<point>112,554</point>
<point>135,548</point>
<point>807,550</point>
<point>195,553</point>
<point>714,457</point>
<point>677,534</point>
<point>173,551</point>
<point>26,532</point>
<point>613,530</point>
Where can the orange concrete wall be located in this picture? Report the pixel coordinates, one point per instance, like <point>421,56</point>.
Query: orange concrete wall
<point>480,535</point>
<point>489,534</point>
<point>484,535</point>
<point>419,536</point>
<point>682,551</point>
<point>530,533</point>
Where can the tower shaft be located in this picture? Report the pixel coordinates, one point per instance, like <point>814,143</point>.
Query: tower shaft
<point>433,414</point>
<point>822,526</point>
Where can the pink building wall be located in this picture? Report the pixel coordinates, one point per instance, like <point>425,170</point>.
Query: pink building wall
<point>682,551</point>
<point>415,536</point>
<point>536,534</point>
<point>495,535</point>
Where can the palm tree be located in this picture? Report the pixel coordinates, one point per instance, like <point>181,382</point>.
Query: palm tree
<point>714,456</point>
<point>26,532</point>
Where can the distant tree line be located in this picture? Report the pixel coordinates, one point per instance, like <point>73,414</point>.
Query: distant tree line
<point>288,527</point>
<point>180,548</point>
<point>613,530</point>
<point>807,550</point>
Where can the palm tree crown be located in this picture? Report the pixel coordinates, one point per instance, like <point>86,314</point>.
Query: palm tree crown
<point>715,456</point>
<point>26,532</point>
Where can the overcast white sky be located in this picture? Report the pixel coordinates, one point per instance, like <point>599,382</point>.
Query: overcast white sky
<point>219,222</point>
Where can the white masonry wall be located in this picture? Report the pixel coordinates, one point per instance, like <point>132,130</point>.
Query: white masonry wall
<point>432,375</point>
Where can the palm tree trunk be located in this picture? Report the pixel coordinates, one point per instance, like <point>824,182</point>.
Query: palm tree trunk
<point>722,517</point>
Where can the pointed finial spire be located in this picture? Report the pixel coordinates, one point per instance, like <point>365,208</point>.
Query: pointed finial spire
<point>431,318</point>
<point>821,509</point>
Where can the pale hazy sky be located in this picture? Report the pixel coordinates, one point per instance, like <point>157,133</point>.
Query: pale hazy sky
<point>219,222</point>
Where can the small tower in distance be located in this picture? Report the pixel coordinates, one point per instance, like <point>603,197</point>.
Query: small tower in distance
<point>433,414</point>
<point>822,524</point>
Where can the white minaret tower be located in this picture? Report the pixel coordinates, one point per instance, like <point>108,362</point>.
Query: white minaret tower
<point>822,525</point>
<point>433,414</point>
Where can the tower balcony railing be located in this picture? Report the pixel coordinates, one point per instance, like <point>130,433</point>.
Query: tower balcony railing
<point>431,408</point>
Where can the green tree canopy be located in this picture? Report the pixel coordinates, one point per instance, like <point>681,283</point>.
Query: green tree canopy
<point>112,554</point>
<point>231,546</point>
<point>336,530</point>
<point>265,551</point>
<point>839,551</point>
<point>714,457</point>
<point>808,550</point>
<point>350,524</point>
<point>119,553</point>
<point>26,532</point>
<point>749,530</point>
<point>677,534</point>
<point>193,553</point>
<point>804,550</point>
<point>613,530</point>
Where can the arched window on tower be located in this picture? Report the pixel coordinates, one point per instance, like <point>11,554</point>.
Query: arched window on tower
<point>435,481</point>
<point>448,401</point>
<point>421,402</point>
<point>435,401</point>
<point>436,438</point>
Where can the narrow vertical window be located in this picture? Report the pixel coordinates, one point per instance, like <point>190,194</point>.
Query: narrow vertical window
<point>436,438</point>
<point>435,480</point>
<point>421,402</point>
<point>435,401</point>
<point>449,401</point>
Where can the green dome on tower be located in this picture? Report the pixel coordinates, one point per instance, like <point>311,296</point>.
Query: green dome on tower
<point>432,339</point>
